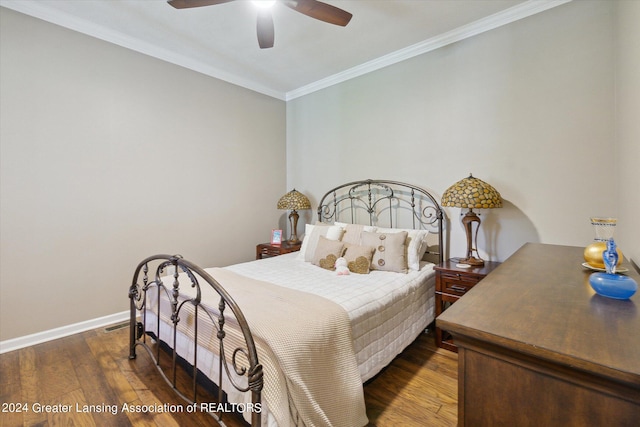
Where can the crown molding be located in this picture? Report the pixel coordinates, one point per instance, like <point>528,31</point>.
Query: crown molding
<point>54,16</point>
<point>507,16</point>
<point>42,11</point>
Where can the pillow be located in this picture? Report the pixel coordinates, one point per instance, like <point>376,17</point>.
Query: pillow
<point>390,250</point>
<point>358,258</point>
<point>416,244</point>
<point>353,232</point>
<point>311,235</point>
<point>327,252</point>
<point>423,248</point>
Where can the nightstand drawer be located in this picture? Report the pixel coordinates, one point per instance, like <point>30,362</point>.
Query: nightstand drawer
<point>268,250</point>
<point>456,284</point>
<point>453,282</point>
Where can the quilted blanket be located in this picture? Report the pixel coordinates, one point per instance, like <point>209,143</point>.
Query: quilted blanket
<point>305,346</point>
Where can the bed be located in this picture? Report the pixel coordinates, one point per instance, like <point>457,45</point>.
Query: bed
<point>287,341</point>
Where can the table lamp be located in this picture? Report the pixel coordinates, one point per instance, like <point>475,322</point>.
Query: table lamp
<point>294,201</point>
<point>472,193</point>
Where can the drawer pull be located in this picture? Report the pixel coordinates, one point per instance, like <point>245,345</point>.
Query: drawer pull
<point>458,288</point>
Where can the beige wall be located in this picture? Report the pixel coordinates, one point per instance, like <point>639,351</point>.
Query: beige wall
<point>528,107</point>
<point>628,125</point>
<point>109,156</point>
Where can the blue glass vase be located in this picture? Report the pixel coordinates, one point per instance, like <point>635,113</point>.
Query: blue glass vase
<point>614,286</point>
<point>609,284</point>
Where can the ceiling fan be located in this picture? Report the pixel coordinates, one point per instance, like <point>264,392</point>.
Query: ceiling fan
<point>312,8</point>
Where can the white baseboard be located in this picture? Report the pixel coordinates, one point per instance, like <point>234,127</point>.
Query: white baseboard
<point>63,331</point>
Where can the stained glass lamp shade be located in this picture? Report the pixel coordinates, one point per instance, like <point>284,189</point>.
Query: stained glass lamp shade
<point>472,193</point>
<point>294,201</point>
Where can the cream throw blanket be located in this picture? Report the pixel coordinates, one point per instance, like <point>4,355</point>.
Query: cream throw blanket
<point>304,343</point>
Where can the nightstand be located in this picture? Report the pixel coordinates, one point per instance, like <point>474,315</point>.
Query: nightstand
<point>452,283</point>
<point>267,250</point>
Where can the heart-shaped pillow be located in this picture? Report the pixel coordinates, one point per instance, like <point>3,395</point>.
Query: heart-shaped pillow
<point>360,265</point>
<point>329,262</point>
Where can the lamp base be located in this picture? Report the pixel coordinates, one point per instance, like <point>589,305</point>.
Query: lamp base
<point>472,261</point>
<point>467,221</point>
<point>293,221</point>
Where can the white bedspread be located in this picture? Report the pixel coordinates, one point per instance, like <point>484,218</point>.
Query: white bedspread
<point>387,310</point>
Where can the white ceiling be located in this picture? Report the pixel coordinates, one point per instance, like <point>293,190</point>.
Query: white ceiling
<point>308,55</point>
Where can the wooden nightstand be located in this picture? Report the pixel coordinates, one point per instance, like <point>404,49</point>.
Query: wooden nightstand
<point>267,250</point>
<point>451,284</point>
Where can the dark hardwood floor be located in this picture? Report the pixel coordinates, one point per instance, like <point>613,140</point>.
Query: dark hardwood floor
<point>92,368</point>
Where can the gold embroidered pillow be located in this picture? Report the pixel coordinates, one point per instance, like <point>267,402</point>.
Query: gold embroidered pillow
<point>326,253</point>
<point>390,250</point>
<point>328,262</point>
<point>358,258</point>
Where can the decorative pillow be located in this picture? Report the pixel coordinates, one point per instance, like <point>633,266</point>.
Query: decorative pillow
<point>327,252</point>
<point>416,245</point>
<point>353,232</point>
<point>390,250</point>
<point>358,258</point>
<point>311,235</point>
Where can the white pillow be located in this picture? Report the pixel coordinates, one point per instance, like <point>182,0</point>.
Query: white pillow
<point>312,234</point>
<point>416,244</point>
<point>369,228</point>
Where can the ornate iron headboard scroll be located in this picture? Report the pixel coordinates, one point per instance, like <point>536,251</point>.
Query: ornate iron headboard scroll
<point>243,359</point>
<point>384,203</point>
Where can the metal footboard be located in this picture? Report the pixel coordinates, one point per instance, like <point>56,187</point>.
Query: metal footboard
<point>243,359</point>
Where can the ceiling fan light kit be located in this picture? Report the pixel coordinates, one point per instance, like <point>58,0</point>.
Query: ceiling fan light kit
<point>266,32</point>
<point>264,4</point>
<point>312,8</point>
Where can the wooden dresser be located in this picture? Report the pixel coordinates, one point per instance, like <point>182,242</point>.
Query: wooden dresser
<point>538,347</point>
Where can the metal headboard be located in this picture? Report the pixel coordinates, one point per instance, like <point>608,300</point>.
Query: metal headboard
<point>385,203</point>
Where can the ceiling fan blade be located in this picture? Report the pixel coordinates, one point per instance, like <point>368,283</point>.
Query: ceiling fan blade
<point>266,33</point>
<point>322,11</point>
<point>185,4</point>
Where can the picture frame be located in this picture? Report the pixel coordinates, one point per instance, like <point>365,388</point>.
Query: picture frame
<point>276,237</point>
